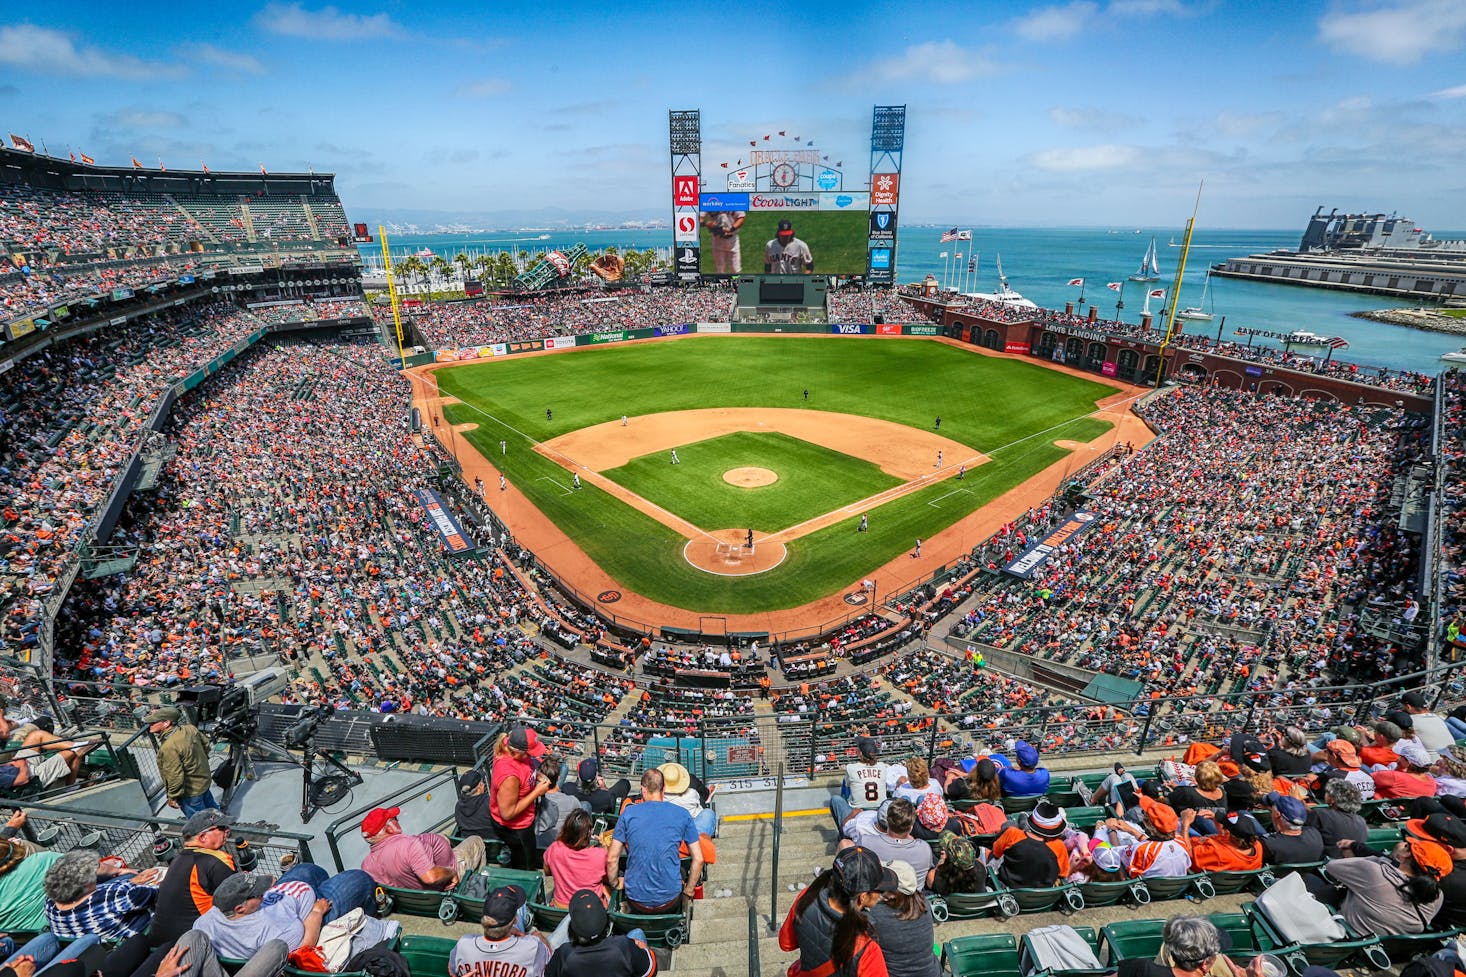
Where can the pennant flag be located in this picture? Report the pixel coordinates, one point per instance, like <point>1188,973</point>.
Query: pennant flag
<point>1077,281</point>
<point>204,165</point>
<point>1339,342</point>
<point>957,255</point>
<point>971,265</point>
<point>723,165</point>
<point>21,144</point>
<point>841,163</point>
<point>135,164</point>
<point>781,132</point>
<point>964,235</point>
<point>949,236</point>
<point>161,167</point>
<point>825,158</point>
<point>262,170</point>
<point>87,159</point>
<point>1114,286</point>
<point>72,155</point>
<point>811,143</point>
<point>740,162</point>
<point>1158,293</point>
<point>767,138</point>
<point>942,255</point>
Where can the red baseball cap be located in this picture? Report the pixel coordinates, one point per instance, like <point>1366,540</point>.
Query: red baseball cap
<point>377,819</point>
<point>527,740</point>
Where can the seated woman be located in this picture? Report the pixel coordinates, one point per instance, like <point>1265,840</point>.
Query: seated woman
<point>574,861</point>
<point>1387,895</point>
<point>86,898</point>
<point>958,867</point>
<point>1206,797</point>
<point>1191,946</point>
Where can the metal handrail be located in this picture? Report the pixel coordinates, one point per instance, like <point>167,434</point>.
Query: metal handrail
<point>420,786</point>
<point>753,935</point>
<point>774,869</point>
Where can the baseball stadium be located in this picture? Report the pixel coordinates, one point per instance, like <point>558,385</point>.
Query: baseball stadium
<point>359,615</point>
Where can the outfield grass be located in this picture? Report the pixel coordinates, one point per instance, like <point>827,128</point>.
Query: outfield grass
<point>1009,409</point>
<point>812,481</point>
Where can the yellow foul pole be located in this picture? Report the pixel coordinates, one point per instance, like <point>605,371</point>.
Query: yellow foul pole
<point>1175,287</point>
<point>392,291</point>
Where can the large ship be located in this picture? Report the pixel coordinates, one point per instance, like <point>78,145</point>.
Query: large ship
<point>1383,254</point>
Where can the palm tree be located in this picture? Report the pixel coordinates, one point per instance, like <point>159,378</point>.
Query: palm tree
<point>409,267</point>
<point>464,263</point>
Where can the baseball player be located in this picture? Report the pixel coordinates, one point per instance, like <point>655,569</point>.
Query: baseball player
<point>917,554</point>
<point>675,460</point>
<point>723,227</point>
<point>575,477</point>
<point>786,254</point>
<point>864,524</point>
<point>502,484</point>
<point>939,459</point>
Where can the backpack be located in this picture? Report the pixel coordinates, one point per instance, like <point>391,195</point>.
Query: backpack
<point>379,961</point>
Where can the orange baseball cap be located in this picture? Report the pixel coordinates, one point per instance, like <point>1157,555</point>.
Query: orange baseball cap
<point>1161,816</point>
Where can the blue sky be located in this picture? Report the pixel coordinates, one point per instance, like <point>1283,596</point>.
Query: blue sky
<point>1092,112</point>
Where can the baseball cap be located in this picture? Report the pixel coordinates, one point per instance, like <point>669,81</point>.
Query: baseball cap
<point>470,781</point>
<point>867,747</point>
<point>588,769</point>
<point>1119,768</point>
<point>502,903</point>
<point>1400,718</point>
<point>1294,811</point>
<point>1412,751</point>
<point>237,889</point>
<point>1161,816</point>
<point>1107,858</point>
<point>204,820</point>
<point>905,876</point>
<point>1027,755</point>
<point>1413,699</point>
<point>1343,753</point>
<point>588,916</point>
<point>859,870</point>
<point>1242,824</point>
<point>960,852</point>
<point>164,714</point>
<point>785,225</point>
<point>8,773</point>
<point>527,741</point>
<point>1431,856</point>
<point>1441,827</point>
<point>377,819</point>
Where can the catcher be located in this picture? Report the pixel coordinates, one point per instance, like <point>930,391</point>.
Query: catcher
<point>723,228</point>
<point>608,267</point>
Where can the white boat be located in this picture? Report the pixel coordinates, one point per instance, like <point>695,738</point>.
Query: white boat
<point>424,253</point>
<point>1303,339</point>
<point>1459,356</point>
<point>1198,311</point>
<point>1150,269</point>
<point>1004,295</point>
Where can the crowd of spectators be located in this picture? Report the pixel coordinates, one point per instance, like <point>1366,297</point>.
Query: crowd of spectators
<point>36,289</point>
<point>1451,560</point>
<point>311,310</point>
<point>484,321</point>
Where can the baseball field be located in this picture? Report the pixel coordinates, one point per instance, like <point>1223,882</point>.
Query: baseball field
<point>755,456</point>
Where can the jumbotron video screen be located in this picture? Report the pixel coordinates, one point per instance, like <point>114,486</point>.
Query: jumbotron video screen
<point>792,233</point>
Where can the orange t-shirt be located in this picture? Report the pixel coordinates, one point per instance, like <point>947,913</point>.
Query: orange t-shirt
<point>1012,836</point>
<point>1218,854</point>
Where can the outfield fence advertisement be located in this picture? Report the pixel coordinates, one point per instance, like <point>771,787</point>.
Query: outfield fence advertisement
<point>455,540</point>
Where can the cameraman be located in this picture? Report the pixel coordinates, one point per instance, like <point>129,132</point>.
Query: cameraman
<point>183,761</point>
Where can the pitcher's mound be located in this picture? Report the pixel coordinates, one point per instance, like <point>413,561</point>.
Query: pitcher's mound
<point>725,553</point>
<point>750,477</point>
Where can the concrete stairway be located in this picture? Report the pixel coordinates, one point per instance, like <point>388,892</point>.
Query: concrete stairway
<point>719,940</point>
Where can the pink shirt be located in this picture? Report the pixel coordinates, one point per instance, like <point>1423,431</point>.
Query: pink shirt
<point>504,768</point>
<point>574,870</point>
<point>401,860</point>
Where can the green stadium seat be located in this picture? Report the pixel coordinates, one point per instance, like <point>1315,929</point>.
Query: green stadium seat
<point>988,955</point>
<point>1027,957</point>
<point>1365,951</point>
<point>426,956</point>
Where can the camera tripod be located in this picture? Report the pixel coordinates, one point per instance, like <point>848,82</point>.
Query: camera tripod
<point>316,792</point>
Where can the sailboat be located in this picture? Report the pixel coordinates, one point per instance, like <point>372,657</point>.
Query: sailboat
<point>1198,312</point>
<point>1150,269</point>
<point>1004,295</point>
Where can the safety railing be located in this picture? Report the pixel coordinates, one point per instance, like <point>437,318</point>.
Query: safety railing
<point>417,794</point>
<point>753,936</point>
<point>774,866</point>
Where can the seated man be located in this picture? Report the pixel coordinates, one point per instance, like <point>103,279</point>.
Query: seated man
<point>250,908</point>
<point>652,834</point>
<point>471,815</point>
<point>591,789</point>
<point>593,950</point>
<point>30,765</point>
<point>865,783</point>
<point>425,861</point>
<point>504,948</point>
<point>1029,779</point>
<point>887,832</point>
<point>1293,842</point>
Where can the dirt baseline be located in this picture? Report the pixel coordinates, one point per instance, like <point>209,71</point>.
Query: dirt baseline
<point>898,450</point>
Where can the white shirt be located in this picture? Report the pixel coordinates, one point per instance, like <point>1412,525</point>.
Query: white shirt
<point>867,782</point>
<point>1432,732</point>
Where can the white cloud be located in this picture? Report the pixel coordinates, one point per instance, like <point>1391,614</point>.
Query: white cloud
<point>1080,159</point>
<point>145,119</point>
<point>40,49</point>
<point>1089,117</point>
<point>220,58</point>
<point>487,88</point>
<point>1238,125</point>
<point>1146,8</point>
<point>326,24</point>
<point>1056,23</point>
<point>1459,91</point>
<point>943,62</point>
<point>1402,32</point>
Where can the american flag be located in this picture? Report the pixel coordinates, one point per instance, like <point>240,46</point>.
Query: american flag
<point>952,235</point>
<point>1339,342</point>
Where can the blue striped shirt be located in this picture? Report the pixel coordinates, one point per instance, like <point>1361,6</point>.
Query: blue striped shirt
<point>117,910</point>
